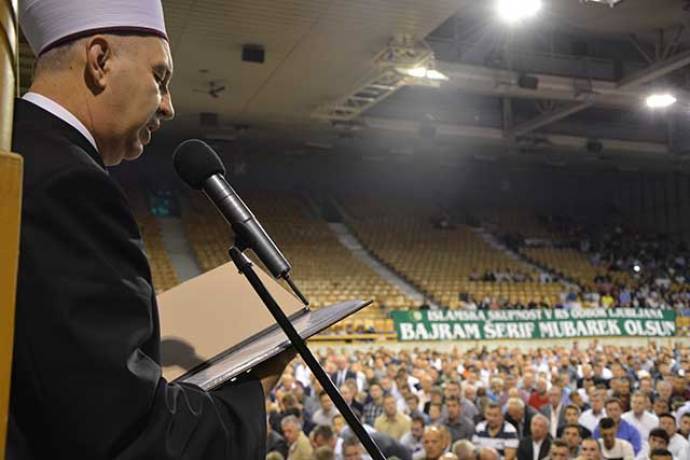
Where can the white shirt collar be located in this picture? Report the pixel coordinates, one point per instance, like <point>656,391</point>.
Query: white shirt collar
<point>62,113</point>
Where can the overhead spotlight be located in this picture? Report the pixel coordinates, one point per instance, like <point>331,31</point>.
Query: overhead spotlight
<point>660,100</point>
<point>513,11</point>
<point>423,72</point>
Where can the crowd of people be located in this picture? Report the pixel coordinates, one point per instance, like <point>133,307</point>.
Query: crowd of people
<point>634,271</point>
<point>588,403</point>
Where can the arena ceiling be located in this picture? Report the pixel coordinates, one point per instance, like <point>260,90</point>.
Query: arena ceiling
<point>594,64</point>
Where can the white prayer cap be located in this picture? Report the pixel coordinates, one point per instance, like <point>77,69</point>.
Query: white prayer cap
<point>48,23</point>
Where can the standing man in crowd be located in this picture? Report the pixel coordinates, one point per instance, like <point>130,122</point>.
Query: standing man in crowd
<point>638,415</point>
<point>392,422</point>
<point>624,430</point>
<point>571,436</point>
<point>520,416</point>
<point>555,409</point>
<point>459,426</point>
<point>676,443</point>
<point>591,450</point>
<point>496,433</point>
<point>436,443</point>
<point>572,417</point>
<point>658,439</point>
<point>591,417</point>
<point>613,447</point>
<point>374,407</point>
<point>86,377</point>
<point>299,447</point>
<point>324,416</point>
<point>414,440</point>
<point>538,444</point>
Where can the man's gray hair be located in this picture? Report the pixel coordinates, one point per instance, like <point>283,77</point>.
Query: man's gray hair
<point>516,402</point>
<point>291,420</point>
<point>542,417</point>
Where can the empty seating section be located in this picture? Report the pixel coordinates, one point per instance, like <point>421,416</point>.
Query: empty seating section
<point>325,270</point>
<point>440,261</point>
<point>162,270</point>
<point>514,221</point>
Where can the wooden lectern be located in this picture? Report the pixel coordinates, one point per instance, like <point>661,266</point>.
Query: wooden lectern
<point>10,204</point>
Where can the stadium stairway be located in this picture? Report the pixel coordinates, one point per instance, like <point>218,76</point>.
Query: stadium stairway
<point>493,241</point>
<point>178,248</point>
<point>352,243</point>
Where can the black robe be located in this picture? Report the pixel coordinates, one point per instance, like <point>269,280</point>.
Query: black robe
<point>86,378</point>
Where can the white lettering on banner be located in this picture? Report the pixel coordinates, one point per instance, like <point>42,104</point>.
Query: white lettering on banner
<point>407,331</point>
<point>454,325</point>
<point>588,313</point>
<point>631,313</point>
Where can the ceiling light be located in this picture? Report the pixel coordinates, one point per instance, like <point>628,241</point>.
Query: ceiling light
<point>423,72</point>
<point>433,74</point>
<point>513,11</point>
<point>660,100</point>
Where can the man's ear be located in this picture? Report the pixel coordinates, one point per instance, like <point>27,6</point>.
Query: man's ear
<point>99,52</point>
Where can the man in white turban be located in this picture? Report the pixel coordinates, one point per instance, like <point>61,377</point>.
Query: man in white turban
<point>86,381</point>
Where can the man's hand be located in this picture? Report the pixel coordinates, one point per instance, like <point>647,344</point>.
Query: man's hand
<point>270,371</point>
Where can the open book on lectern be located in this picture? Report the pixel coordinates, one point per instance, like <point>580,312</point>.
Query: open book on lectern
<point>214,327</point>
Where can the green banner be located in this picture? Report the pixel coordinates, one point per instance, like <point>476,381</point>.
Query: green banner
<point>532,324</point>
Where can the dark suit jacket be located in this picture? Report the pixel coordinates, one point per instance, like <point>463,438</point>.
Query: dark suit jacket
<point>546,410</point>
<point>526,422</point>
<point>348,375</point>
<point>526,452</point>
<point>86,378</point>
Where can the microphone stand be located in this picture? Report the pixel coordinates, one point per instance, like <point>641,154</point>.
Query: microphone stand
<point>245,266</point>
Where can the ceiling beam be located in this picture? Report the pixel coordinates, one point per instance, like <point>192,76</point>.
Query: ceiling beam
<point>494,136</point>
<point>634,80</point>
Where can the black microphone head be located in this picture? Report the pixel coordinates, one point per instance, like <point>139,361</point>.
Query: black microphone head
<point>195,161</point>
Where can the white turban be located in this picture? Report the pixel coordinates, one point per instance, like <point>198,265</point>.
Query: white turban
<point>48,23</point>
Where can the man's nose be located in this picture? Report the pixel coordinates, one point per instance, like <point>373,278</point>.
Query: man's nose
<point>166,109</point>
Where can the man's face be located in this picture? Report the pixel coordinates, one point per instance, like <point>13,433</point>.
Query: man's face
<point>668,424</point>
<point>609,437</point>
<point>597,402</point>
<point>554,395</point>
<point>433,444</point>
<point>613,410</point>
<point>493,416</point>
<point>352,452</point>
<point>657,443</point>
<point>646,385</point>
<point>417,429</point>
<point>346,393</point>
<point>539,428</point>
<point>290,432</point>
<point>516,411</point>
<point>685,425</point>
<point>453,410</point>
<point>638,404</point>
<point>389,406</point>
<point>559,453</point>
<point>135,96</point>
<point>590,449</point>
<point>326,403</point>
<point>664,389</point>
<point>452,389</point>
<point>338,423</point>
<point>660,406</point>
<point>376,392</point>
<point>572,437</point>
<point>571,416</point>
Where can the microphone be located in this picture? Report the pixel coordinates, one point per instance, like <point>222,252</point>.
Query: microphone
<point>200,167</point>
